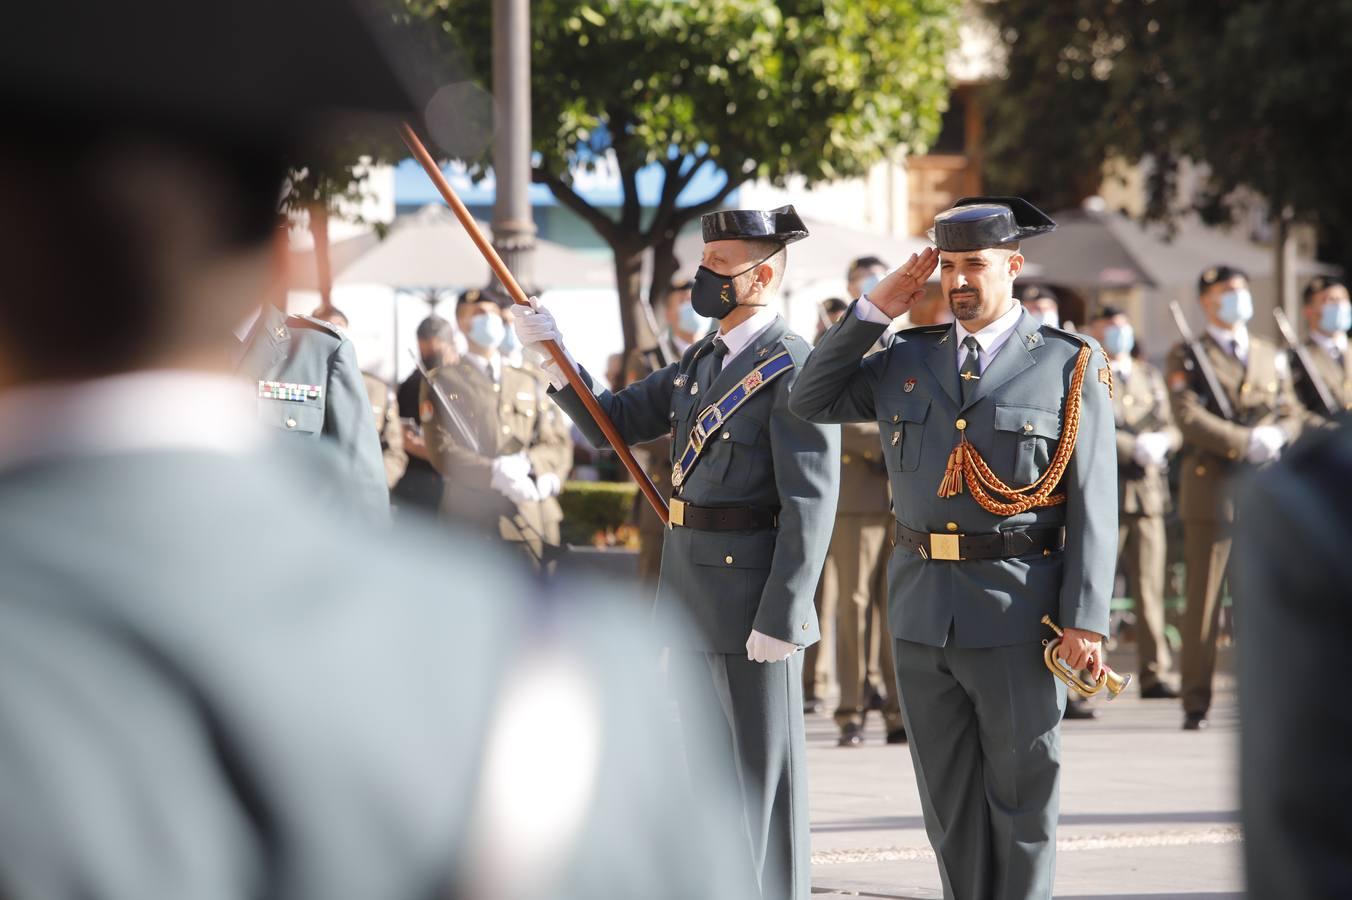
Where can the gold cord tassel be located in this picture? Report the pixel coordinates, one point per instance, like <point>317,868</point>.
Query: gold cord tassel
<point>951,486</point>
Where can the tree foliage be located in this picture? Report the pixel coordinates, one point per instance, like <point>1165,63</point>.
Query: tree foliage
<point>758,88</point>
<point>1253,90</point>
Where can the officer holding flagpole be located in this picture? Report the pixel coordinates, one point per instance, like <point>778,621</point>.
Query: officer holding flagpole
<point>754,498</point>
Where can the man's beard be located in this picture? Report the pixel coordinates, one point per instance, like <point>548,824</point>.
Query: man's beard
<point>965,303</point>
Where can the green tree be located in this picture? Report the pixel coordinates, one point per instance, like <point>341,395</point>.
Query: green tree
<point>1253,90</point>
<point>758,88</point>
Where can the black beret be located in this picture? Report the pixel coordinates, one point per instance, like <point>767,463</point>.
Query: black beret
<point>835,305</point>
<point>1321,283</point>
<point>1109,312</point>
<point>976,223</point>
<point>1037,292</point>
<point>1216,274</point>
<point>782,224</point>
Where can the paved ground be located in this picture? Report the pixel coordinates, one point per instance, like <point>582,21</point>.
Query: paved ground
<point>1147,810</point>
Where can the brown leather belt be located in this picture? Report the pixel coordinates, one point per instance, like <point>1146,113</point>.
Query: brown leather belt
<point>1002,545</point>
<point>721,518</point>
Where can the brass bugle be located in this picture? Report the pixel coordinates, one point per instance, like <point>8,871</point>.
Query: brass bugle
<point>1109,679</point>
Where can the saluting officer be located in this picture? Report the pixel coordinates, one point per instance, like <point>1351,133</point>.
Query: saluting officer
<point>1328,313</point>
<point>309,384</point>
<point>998,436</point>
<point>1146,438</point>
<point>501,461</point>
<point>754,498</point>
<point>1256,377</point>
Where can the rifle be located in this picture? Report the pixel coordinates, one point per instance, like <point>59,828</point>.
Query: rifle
<point>1199,362</point>
<point>1302,358</point>
<point>662,353</point>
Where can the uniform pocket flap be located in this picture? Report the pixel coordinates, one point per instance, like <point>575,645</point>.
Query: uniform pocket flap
<point>906,409</point>
<point>291,416</point>
<point>740,430</point>
<point>1029,420</point>
<point>733,549</point>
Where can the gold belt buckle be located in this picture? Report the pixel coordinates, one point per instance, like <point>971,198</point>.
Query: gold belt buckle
<point>944,546</point>
<point>676,513</point>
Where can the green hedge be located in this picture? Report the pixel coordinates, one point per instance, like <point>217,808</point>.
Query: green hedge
<point>595,507</point>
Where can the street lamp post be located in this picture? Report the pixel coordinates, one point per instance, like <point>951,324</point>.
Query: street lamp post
<point>513,224</point>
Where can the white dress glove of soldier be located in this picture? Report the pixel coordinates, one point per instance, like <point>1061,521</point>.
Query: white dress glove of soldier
<point>533,327</point>
<point>762,648</point>
<point>511,478</point>
<point>549,485</point>
<point>1152,449</point>
<point>1265,444</point>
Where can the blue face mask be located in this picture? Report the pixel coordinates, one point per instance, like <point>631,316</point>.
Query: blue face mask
<point>869,283</point>
<point>487,330</point>
<point>690,321</point>
<point>510,342</point>
<point>1335,317</point>
<point>1236,307</point>
<point>1119,339</point>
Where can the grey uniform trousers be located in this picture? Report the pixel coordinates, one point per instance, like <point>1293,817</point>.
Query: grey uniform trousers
<point>750,718</point>
<point>984,728</point>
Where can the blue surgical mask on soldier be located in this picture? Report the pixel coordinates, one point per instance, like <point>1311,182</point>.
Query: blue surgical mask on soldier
<point>1236,307</point>
<point>510,342</point>
<point>1119,339</point>
<point>1335,316</point>
<point>690,321</point>
<point>869,283</point>
<point>486,330</point>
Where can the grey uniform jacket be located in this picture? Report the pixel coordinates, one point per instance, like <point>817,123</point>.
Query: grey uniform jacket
<point>190,709</point>
<point>1014,419</point>
<point>299,350</point>
<point>734,581</point>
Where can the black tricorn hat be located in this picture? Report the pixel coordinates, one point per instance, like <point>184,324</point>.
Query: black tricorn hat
<point>975,223</point>
<point>241,72</point>
<point>1037,292</point>
<point>782,224</point>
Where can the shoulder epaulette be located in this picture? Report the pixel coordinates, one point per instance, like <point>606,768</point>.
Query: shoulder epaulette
<point>298,321</point>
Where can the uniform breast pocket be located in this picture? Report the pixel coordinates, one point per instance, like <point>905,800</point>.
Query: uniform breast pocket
<point>902,429</point>
<point>290,416</point>
<point>1034,433</point>
<point>730,453</point>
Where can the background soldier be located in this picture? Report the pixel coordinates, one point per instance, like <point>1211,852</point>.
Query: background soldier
<point>751,519</point>
<point>1003,479</point>
<point>1328,314</point>
<point>1255,377</point>
<point>309,384</point>
<point>420,488</point>
<point>1146,438</point>
<point>854,580</point>
<point>508,477</point>
<point>1042,304</point>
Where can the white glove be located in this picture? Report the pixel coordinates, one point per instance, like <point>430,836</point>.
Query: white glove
<point>511,478</point>
<point>763,648</point>
<point>1152,449</point>
<point>549,485</point>
<point>534,326</point>
<point>1265,444</point>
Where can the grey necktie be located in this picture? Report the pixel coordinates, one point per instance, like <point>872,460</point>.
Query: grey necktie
<point>970,373</point>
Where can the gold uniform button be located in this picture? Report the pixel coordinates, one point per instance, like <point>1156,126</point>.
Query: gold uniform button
<point>1233,454</point>
<point>961,424</point>
<point>1200,470</point>
<point>952,526</point>
<point>506,429</point>
<point>1128,400</point>
<point>846,458</point>
<point>728,560</point>
<point>896,417</point>
<point>290,423</point>
<point>805,626</point>
<point>726,435</point>
<point>1028,427</point>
